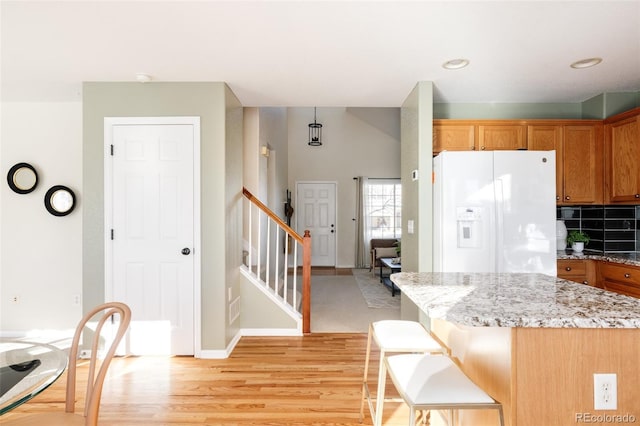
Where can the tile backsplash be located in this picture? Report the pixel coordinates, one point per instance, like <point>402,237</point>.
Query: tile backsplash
<point>612,229</point>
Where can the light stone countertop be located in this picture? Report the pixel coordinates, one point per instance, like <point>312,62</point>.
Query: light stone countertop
<point>517,300</point>
<point>632,259</point>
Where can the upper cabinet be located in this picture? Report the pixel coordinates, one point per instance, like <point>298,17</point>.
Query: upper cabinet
<point>579,150</point>
<point>497,137</point>
<point>542,137</point>
<point>596,161</point>
<point>478,135</point>
<point>622,156</point>
<point>453,137</point>
<point>582,168</point>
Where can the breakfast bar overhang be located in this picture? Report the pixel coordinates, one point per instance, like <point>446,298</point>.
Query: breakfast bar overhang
<point>534,342</point>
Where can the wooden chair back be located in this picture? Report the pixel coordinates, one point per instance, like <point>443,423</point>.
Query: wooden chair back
<point>96,374</point>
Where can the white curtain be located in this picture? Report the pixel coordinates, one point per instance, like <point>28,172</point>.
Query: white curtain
<point>363,233</point>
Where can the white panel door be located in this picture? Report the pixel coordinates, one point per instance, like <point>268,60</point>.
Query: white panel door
<point>153,234</point>
<point>316,212</point>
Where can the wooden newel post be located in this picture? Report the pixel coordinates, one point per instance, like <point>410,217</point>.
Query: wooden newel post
<point>306,282</point>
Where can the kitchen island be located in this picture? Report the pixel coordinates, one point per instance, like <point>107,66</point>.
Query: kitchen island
<point>534,342</point>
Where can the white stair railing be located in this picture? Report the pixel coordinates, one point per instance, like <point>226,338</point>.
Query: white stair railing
<point>273,258</point>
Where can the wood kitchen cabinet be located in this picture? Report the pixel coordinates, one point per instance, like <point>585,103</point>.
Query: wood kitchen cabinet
<point>624,279</point>
<point>582,164</point>
<point>453,137</point>
<point>579,158</point>
<point>548,138</point>
<point>478,135</point>
<point>492,137</point>
<point>578,270</point>
<point>622,156</point>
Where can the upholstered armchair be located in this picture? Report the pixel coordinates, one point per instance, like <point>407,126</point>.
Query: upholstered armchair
<point>382,247</point>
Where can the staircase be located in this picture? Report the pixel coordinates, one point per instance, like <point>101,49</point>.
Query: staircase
<point>272,260</point>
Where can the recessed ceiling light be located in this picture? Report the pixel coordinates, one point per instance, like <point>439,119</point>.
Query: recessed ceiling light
<point>143,78</point>
<point>455,64</point>
<point>586,63</point>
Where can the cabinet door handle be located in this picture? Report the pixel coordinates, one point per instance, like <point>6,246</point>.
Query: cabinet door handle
<point>567,198</point>
<point>627,275</point>
<point>568,268</point>
<point>637,195</point>
<point>557,198</point>
<point>473,148</point>
<point>585,282</point>
<point>482,148</point>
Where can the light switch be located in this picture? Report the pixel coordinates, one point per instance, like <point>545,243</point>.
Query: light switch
<point>410,226</point>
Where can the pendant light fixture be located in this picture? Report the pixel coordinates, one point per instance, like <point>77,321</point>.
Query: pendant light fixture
<point>315,131</point>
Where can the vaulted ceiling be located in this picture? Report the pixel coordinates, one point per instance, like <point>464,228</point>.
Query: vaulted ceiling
<point>324,53</point>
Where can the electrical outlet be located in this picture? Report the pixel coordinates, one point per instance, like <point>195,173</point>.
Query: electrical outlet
<point>85,354</point>
<point>605,392</point>
<point>15,299</point>
<point>76,298</point>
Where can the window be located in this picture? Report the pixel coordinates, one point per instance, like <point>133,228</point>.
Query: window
<point>383,199</point>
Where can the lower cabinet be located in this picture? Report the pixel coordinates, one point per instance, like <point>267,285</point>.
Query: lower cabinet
<point>624,279</point>
<point>617,277</point>
<point>579,270</point>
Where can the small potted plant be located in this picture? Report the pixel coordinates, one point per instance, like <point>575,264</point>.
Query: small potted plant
<point>398,249</point>
<point>577,240</point>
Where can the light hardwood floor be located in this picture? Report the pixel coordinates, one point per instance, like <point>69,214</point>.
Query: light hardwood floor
<point>311,380</point>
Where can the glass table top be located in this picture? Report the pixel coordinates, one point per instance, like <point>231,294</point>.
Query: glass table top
<point>26,369</point>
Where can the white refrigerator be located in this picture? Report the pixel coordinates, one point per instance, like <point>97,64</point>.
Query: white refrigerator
<point>494,211</point>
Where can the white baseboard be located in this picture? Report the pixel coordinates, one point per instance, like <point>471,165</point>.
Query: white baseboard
<point>220,353</point>
<point>271,332</point>
<point>224,353</point>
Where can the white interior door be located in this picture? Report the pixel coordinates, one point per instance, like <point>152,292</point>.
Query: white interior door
<point>316,212</point>
<point>151,236</point>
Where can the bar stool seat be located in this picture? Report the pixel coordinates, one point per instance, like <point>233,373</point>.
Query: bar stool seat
<point>395,336</point>
<point>427,382</point>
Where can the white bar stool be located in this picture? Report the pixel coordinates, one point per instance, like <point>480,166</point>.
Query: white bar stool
<point>396,336</point>
<point>428,382</point>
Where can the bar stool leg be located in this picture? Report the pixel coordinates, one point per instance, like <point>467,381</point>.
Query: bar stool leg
<point>382,381</point>
<point>412,416</point>
<point>366,373</point>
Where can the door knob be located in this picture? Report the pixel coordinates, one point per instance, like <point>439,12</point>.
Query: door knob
<point>186,251</point>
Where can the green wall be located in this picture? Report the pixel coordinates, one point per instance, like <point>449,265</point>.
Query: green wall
<point>416,154</point>
<point>506,111</point>
<point>221,183</point>
<point>599,107</point>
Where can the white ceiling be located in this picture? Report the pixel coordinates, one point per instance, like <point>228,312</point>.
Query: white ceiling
<point>324,53</point>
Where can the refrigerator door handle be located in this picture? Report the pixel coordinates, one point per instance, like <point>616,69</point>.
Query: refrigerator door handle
<point>498,189</point>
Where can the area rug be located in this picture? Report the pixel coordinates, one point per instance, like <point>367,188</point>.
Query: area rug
<point>376,294</point>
